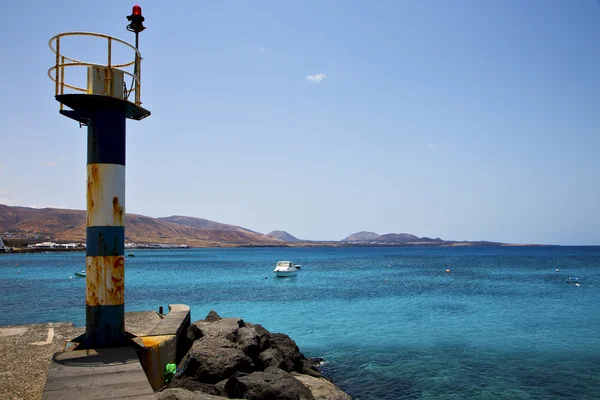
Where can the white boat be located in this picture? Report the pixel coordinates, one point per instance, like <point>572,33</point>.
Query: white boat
<point>286,268</point>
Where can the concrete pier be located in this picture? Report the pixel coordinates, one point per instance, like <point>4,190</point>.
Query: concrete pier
<point>37,360</point>
<point>107,373</point>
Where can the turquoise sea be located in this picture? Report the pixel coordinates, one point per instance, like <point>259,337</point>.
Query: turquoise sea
<point>389,321</point>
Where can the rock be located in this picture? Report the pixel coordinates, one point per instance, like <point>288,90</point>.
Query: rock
<point>309,369</point>
<point>193,333</point>
<point>272,384</point>
<point>212,359</point>
<point>231,357</point>
<point>213,342</point>
<point>248,340</point>
<point>286,351</point>
<point>192,385</point>
<point>274,358</point>
<point>212,316</point>
<point>264,335</point>
<point>224,327</point>
<point>182,394</point>
<point>322,389</point>
<point>221,386</point>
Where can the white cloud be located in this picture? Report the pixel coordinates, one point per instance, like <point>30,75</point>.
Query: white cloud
<point>316,78</point>
<point>51,164</point>
<point>261,50</point>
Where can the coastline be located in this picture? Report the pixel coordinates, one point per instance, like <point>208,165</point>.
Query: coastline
<point>163,246</point>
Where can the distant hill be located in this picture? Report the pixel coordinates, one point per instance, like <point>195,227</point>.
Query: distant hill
<point>25,225</point>
<point>201,223</point>
<point>283,236</point>
<point>397,238</point>
<point>407,239</point>
<point>42,222</point>
<point>362,236</point>
<point>69,225</point>
<point>389,238</point>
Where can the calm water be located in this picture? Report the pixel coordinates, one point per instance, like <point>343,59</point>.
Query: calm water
<point>389,321</point>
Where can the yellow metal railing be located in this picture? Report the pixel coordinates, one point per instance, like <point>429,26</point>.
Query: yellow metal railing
<point>57,72</point>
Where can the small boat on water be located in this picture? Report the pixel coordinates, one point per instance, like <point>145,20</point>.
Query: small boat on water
<point>80,274</point>
<point>131,254</point>
<point>286,268</point>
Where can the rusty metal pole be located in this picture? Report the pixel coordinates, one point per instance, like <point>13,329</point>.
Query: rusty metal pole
<point>105,118</point>
<point>105,222</point>
<point>103,108</point>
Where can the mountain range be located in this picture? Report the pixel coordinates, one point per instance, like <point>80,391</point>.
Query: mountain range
<point>28,225</point>
<point>65,225</point>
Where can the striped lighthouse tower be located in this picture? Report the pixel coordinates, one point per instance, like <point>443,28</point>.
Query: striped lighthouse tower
<point>103,105</point>
<point>105,222</point>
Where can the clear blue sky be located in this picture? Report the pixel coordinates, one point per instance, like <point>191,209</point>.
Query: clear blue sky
<point>460,119</point>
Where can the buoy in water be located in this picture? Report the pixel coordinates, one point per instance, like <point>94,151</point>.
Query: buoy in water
<point>448,271</point>
<point>556,269</point>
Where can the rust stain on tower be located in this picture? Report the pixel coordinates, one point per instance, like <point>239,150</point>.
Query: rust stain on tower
<point>105,195</point>
<point>105,281</point>
<point>92,182</point>
<point>117,210</point>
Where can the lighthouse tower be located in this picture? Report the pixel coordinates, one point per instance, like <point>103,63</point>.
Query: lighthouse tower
<point>110,96</point>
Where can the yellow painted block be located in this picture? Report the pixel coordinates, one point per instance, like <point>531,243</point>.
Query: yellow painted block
<point>160,351</point>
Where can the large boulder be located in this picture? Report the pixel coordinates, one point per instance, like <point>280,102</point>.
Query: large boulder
<point>309,368</point>
<point>229,357</point>
<point>321,388</point>
<point>270,384</point>
<point>283,353</point>
<point>225,328</point>
<point>248,341</point>
<point>212,316</point>
<point>192,334</point>
<point>212,359</point>
<point>274,358</point>
<point>187,383</point>
<point>220,386</point>
<point>263,334</point>
<point>182,394</point>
